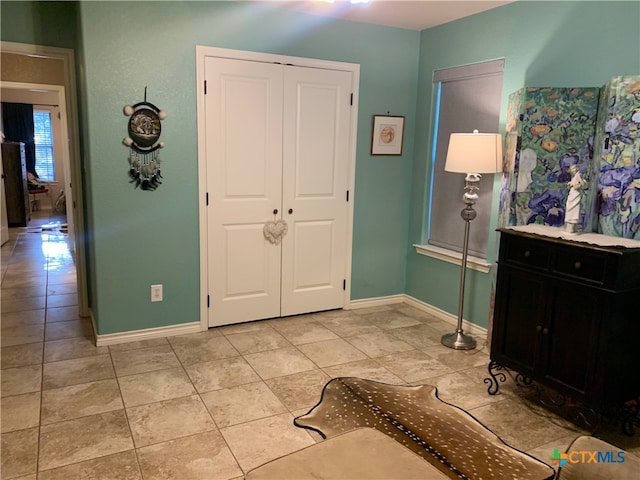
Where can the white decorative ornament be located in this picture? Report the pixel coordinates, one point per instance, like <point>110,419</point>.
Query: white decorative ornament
<point>274,231</point>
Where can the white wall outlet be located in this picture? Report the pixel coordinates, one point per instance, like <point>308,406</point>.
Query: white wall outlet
<point>156,293</point>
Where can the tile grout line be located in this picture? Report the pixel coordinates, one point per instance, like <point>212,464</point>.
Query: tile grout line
<point>199,394</point>
<point>126,415</point>
<point>44,330</point>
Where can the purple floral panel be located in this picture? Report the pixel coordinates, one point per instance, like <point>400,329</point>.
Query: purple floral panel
<point>555,131</point>
<point>618,153</point>
<point>507,211</point>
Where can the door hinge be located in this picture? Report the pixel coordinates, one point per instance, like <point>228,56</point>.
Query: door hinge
<point>344,284</point>
<point>351,101</point>
<point>207,198</point>
<point>347,195</point>
<point>208,301</point>
<point>205,87</point>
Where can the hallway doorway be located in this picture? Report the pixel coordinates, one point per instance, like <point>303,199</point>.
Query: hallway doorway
<point>40,58</point>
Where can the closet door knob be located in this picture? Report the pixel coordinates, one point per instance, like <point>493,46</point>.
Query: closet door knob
<point>290,211</point>
<point>275,211</point>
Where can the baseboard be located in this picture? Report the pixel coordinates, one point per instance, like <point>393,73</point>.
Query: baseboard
<point>195,327</point>
<point>147,334</point>
<point>467,326</point>
<point>375,302</point>
<point>93,325</point>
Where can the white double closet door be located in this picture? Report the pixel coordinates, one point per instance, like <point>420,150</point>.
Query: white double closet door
<point>277,148</point>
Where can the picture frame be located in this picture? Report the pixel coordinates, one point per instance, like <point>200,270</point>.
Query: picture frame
<point>387,136</point>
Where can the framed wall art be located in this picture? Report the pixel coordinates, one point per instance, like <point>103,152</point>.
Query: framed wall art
<point>387,135</point>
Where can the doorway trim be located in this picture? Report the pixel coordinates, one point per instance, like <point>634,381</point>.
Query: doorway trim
<point>201,53</point>
<point>72,156</point>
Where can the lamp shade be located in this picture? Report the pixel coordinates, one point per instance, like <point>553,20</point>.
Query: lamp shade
<point>474,153</point>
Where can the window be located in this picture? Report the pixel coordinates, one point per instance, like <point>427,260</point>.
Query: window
<point>467,98</point>
<point>43,133</point>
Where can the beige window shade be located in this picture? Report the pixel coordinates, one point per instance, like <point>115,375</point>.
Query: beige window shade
<point>469,99</point>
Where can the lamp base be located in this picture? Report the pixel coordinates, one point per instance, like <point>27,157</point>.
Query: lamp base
<point>458,341</point>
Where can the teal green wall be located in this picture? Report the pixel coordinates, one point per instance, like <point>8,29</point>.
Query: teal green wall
<point>557,44</point>
<point>142,238</point>
<point>40,23</point>
<point>139,238</point>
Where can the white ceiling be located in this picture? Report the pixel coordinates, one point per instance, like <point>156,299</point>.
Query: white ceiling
<point>412,15</point>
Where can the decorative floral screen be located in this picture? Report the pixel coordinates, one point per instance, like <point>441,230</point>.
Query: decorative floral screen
<point>551,129</point>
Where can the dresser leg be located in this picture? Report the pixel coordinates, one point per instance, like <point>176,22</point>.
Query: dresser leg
<point>495,377</point>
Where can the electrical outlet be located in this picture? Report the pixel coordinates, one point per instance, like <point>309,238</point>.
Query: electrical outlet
<point>156,293</point>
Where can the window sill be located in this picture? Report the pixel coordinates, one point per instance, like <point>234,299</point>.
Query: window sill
<point>474,263</point>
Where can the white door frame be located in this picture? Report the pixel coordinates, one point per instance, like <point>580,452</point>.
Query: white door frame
<point>71,157</point>
<point>201,53</point>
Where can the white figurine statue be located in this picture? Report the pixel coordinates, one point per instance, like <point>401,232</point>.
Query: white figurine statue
<point>572,210</point>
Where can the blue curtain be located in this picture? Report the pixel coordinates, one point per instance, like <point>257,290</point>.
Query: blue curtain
<point>17,120</point>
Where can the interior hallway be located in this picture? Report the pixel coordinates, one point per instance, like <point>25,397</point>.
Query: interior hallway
<point>215,404</point>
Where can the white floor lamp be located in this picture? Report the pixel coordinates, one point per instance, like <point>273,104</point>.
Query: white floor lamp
<point>478,153</point>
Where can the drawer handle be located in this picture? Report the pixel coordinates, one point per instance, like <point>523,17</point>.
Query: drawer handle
<point>545,331</point>
<point>527,254</point>
<point>577,265</point>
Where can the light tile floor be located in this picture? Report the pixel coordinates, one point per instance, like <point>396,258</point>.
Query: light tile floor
<point>211,405</point>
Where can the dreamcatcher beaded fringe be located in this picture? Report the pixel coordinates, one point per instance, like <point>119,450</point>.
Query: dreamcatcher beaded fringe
<point>144,132</point>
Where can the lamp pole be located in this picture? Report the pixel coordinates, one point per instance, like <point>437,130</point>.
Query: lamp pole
<point>458,340</point>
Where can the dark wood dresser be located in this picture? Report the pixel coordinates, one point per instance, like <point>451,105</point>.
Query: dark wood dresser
<point>15,184</point>
<point>567,314</point>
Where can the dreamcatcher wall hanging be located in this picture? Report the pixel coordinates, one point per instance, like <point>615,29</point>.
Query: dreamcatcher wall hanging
<point>143,141</point>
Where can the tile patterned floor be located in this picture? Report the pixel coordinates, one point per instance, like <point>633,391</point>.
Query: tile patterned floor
<point>210,405</point>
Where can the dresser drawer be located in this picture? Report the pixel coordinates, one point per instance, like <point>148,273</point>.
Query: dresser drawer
<point>581,264</point>
<point>525,253</point>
